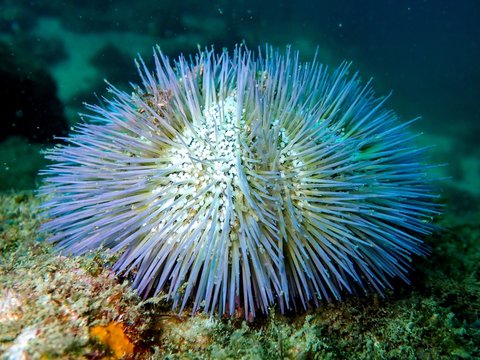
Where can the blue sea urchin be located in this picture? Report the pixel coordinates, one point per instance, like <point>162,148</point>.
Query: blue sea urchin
<point>243,181</point>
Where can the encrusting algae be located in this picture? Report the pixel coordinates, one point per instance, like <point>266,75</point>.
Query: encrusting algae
<point>52,304</point>
<point>114,337</point>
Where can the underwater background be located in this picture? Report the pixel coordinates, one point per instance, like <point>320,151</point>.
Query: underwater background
<point>55,55</point>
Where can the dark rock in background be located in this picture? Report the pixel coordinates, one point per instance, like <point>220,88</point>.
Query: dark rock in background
<point>28,99</point>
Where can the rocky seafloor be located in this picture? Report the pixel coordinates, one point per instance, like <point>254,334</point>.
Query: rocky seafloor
<point>53,306</point>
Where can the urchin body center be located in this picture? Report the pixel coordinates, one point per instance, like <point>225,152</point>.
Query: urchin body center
<point>205,171</point>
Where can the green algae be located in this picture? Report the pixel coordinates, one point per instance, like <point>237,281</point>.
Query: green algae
<point>49,302</point>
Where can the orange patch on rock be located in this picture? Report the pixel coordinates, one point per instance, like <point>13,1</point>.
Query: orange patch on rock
<point>114,337</point>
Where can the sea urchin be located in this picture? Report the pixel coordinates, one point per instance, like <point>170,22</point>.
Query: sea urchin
<point>241,181</point>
